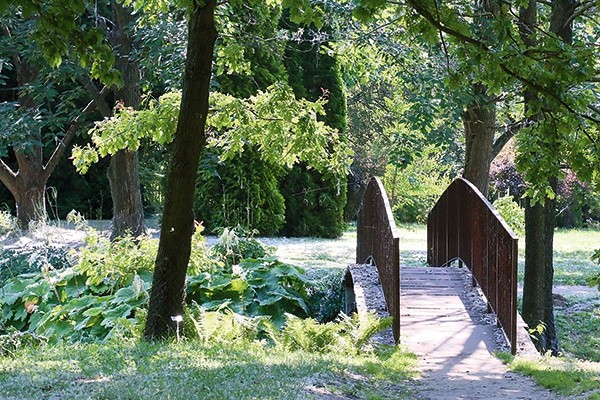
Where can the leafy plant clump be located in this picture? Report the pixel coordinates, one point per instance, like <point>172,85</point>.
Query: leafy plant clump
<point>239,243</point>
<point>7,222</point>
<point>105,294</point>
<point>512,213</point>
<point>254,287</point>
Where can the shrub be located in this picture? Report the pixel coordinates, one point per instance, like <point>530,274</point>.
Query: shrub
<point>263,287</point>
<point>101,297</point>
<point>326,296</point>
<point>20,260</point>
<point>7,222</point>
<point>242,191</point>
<point>512,213</point>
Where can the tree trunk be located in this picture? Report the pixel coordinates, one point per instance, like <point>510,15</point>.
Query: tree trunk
<point>479,121</point>
<point>30,200</point>
<point>168,285</point>
<point>123,172</point>
<point>128,210</point>
<point>538,308</point>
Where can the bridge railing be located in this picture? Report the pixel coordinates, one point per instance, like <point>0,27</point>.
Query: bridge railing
<point>378,241</point>
<point>463,225</point>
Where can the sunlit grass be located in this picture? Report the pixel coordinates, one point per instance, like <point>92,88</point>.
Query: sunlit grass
<point>190,370</point>
<point>565,376</point>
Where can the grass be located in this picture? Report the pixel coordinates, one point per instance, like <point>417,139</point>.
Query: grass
<point>578,328</point>
<point>191,370</point>
<point>573,249</point>
<point>565,376</point>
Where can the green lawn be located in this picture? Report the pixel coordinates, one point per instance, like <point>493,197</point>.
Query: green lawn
<point>191,370</point>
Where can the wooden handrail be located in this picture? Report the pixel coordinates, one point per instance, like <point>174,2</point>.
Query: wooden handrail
<point>464,225</point>
<point>378,242</point>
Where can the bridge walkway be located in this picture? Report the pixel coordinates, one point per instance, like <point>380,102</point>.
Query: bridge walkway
<point>444,320</point>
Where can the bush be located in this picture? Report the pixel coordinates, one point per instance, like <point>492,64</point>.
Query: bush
<point>512,213</point>
<point>326,297</point>
<point>7,222</point>
<point>35,258</point>
<point>264,287</point>
<point>242,191</point>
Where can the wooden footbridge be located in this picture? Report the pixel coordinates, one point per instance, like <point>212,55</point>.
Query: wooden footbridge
<point>462,228</point>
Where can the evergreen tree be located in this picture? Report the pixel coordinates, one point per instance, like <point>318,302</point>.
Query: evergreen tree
<point>314,202</point>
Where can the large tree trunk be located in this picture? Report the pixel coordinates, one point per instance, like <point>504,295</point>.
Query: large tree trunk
<point>168,285</point>
<point>30,198</point>
<point>128,210</point>
<point>123,172</point>
<point>479,121</point>
<point>538,308</point>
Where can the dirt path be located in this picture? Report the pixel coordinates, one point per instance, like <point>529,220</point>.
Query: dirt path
<point>445,324</point>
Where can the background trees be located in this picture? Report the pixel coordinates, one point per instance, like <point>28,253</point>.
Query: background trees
<point>428,88</point>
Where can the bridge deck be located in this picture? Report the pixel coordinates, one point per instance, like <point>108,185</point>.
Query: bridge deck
<point>444,322</point>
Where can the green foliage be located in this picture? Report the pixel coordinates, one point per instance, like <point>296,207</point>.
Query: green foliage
<point>512,213</point>
<point>414,190</point>
<point>212,327</point>
<point>595,280</point>
<point>237,244</point>
<point>101,297</point>
<point>349,334</point>
<point>314,203</point>
<point>14,340</point>
<point>127,128</point>
<point>255,287</point>
<point>240,191</point>
<point>326,296</point>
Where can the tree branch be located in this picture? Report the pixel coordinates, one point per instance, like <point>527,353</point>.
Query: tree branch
<point>71,133</point>
<point>97,96</point>
<point>509,133</point>
<point>7,176</point>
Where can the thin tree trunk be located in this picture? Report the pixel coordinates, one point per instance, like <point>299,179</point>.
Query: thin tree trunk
<point>168,285</point>
<point>123,172</point>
